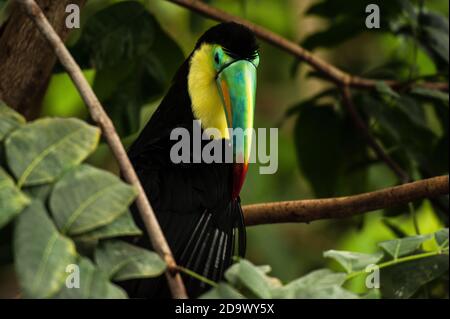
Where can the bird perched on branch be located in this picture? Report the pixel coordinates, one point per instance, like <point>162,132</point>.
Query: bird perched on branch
<point>197,203</point>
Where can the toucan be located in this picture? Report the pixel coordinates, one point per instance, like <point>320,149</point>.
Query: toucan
<point>197,203</point>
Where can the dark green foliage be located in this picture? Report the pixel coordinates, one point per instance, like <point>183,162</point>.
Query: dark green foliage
<point>134,59</point>
<point>404,269</point>
<point>324,139</point>
<point>411,124</point>
<point>245,280</point>
<point>431,30</point>
<point>2,4</point>
<point>61,210</point>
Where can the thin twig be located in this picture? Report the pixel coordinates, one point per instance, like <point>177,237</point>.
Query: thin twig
<point>305,211</point>
<point>197,276</point>
<point>400,260</point>
<point>333,73</point>
<point>104,122</point>
<point>362,127</point>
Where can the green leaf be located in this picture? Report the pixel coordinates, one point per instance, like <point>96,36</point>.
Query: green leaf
<point>247,275</point>
<point>345,20</point>
<point>434,20</point>
<point>413,111</point>
<point>327,145</point>
<point>93,284</point>
<point>336,34</point>
<point>405,279</point>
<point>431,94</point>
<point>328,93</point>
<point>123,261</point>
<point>437,42</point>
<point>123,226</point>
<point>9,120</point>
<point>265,269</point>
<point>441,238</point>
<point>41,254</point>
<point>433,36</point>
<point>322,278</point>
<point>320,284</point>
<point>40,152</point>
<point>402,127</point>
<point>222,291</point>
<point>385,89</point>
<point>134,58</point>
<point>86,198</point>
<point>318,140</point>
<point>12,201</point>
<point>409,9</point>
<point>403,246</point>
<point>352,261</point>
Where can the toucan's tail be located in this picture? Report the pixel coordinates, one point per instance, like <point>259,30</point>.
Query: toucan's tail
<point>205,245</point>
<point>216,238</point>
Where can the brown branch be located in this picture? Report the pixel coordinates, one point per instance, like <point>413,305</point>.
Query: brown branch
<point>26,61</point>
<point>305,211</point>
<point>333,73</point>
<point>362,127</point>
<point>104,122</point>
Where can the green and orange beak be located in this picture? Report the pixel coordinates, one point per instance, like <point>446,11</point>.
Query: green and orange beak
<point>237,86</point>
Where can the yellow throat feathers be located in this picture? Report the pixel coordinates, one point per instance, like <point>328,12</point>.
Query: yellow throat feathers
<point>206,101</point>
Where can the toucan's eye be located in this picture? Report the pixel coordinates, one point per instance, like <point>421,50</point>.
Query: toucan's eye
<point>217,58</point>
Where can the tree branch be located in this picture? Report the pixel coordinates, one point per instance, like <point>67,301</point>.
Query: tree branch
<point>104,122</point>
<point>305,211</point>
<point>333,73</point>
<point>362,127</point>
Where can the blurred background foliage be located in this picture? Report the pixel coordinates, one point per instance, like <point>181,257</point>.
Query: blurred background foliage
<point>129,58</point>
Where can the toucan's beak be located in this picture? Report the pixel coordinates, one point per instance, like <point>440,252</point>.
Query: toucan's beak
<point>237,86</point>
